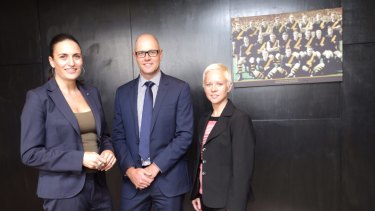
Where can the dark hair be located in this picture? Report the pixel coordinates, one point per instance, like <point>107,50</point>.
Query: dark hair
<point>59,38</point>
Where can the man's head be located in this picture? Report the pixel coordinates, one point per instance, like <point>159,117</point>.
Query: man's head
<point>251,25</point>
<point>246,40</point>
<point>148,54</point>
<point>295,35</point>
<point>304,18</point>
<point>260,39</point>
<point>237,26</point>
<point>307,34</point>
<point>318,17</point>
<point>288,52</point>
<point>291,18</point>
<point>277,20</point>
<point>285,36</point>
<point>318,33</point>
<point>309,51</point>
<point>333,17</point>
<point>329,31</point>
<point>265,54</point>
<point>272,37</point>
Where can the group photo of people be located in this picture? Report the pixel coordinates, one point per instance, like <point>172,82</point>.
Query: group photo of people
<point>288,46</point>
<point>187,105</point>
<point>64,135</point>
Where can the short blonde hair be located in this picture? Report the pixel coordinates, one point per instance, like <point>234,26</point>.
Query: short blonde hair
<point>221,67</point>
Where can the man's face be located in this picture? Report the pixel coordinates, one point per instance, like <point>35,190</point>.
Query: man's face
<point>330,31</point>
<point>288,52</point>
<point>272,37</point>
<point>318,34</point>
<point>318,17</point>
<point>246,41</point>
<point>237,26</point>
<point>285,36</point>
<point>148,65</point>
<point>295,34</point>
<point>291,18</point>
<point>277,20</point>
<point>304,18</point>
<point>309,51</point>
<point>307,34</point>
<point>333,16</point>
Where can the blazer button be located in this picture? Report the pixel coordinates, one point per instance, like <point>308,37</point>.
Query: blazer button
<point>204,149</point>
<point>203,173</point>
<point>204,161</point>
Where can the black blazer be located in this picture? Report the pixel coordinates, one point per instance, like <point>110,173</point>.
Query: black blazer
<point>228,160</point>
<point>51,139</point>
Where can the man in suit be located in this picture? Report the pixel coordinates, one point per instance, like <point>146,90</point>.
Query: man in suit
<point>161,180</point>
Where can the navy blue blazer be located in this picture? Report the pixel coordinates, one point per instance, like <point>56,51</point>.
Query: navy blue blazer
<point>171,134</point>
<point>51,139</point>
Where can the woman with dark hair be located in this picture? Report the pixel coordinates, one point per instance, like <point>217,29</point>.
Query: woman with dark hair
<point>225,155</point>
<point>64,135</point>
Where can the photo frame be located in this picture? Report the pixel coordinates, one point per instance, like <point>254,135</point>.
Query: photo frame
<point>287,48</point>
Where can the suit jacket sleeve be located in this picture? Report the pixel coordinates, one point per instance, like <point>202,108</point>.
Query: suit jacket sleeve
<point>33,140</point>
<point>243,142</point>
<point>183,134</point>
<point>124,157</point>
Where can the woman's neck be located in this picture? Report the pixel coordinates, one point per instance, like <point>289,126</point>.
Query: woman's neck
<point>66,86</point>
<point>218,108</point>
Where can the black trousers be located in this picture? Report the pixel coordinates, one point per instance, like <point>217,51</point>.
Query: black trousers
<point>205,208</point>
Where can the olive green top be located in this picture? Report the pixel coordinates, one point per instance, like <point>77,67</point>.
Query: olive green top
<point>86,122</point>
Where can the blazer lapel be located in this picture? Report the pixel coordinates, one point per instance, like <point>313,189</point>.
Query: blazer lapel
<point>61,104</point>
<point>222,123</point>
<point>94,107</point>
<point>219,127</point>
<point>202,127</point>
<point>133,103</point>
<point>162,92</point>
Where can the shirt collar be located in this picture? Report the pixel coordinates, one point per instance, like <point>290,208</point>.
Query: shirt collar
<point>155,79</point>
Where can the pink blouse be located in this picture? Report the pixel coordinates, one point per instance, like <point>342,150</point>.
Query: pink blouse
<point>210,125</point>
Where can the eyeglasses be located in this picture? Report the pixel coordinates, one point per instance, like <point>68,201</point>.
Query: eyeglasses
<point>151,53</point>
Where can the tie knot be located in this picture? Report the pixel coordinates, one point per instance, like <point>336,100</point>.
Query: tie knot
<point>149,84</point>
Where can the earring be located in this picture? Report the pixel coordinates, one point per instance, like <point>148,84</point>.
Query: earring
<point>51,73</point>
<point>83,71</point>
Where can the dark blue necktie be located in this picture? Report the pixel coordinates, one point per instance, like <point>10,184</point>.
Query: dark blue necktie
<point>144,142</point>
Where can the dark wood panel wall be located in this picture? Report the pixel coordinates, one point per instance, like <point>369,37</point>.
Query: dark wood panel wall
<point>315,142</point>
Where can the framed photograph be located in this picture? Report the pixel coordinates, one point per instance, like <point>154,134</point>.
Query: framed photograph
<point>288,48</point>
